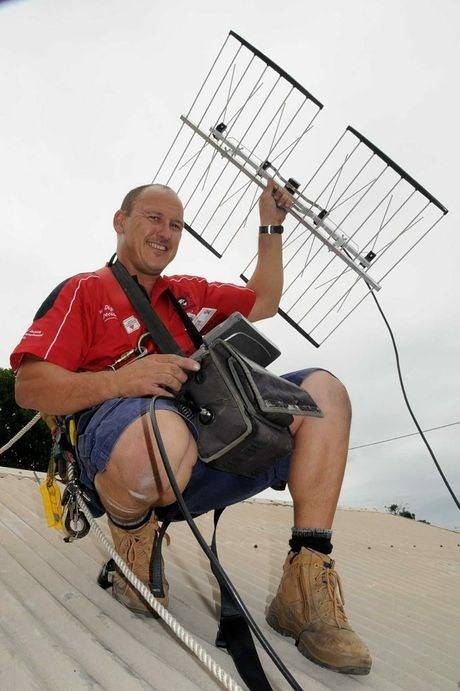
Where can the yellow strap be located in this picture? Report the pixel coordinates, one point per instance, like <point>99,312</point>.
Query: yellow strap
<point>72,432</point>
<point>51,498</point>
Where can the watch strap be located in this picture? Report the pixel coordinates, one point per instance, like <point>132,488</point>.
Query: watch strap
<point>271,230</point>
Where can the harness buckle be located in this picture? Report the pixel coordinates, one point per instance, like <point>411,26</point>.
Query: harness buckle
<point>131,355</point>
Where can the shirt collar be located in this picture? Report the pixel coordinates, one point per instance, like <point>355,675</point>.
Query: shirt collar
<point>158,289</point>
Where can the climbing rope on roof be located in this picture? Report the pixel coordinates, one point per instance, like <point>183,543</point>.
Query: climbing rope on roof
<point>185,636</point>
<point>20,434</point>
<point>177,628</point>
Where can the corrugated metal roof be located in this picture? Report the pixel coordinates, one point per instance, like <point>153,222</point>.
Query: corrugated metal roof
<point>58,627</point>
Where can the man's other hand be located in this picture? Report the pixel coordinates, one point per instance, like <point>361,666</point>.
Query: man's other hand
<point>154,375</point>
<point>273,204</point>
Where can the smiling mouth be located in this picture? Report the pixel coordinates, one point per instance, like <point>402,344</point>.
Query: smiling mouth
<point>157,246</point>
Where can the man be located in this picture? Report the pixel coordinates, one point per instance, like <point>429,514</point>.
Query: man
<point>62,368</point>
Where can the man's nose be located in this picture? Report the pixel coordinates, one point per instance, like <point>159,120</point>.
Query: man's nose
<point>164,230</point>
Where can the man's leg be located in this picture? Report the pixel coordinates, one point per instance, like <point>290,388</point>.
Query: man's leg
<point>134,482</point>
<point>308,605</point>
<point>135,479</point>
<point>320,453</point>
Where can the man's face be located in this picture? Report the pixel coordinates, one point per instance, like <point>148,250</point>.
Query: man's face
<point>149,237</point>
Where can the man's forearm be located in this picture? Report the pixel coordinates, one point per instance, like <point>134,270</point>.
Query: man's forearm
<point>267,279</point>
<point>52,389</point>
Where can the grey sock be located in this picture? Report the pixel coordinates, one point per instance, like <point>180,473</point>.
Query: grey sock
<point>312,532</point>
<point>318,539</point>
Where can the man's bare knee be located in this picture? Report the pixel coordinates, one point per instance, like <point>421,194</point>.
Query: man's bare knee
<point>330,395</point>
<point>179,444</point>
<point>328,392</point>
<point>135,463</point>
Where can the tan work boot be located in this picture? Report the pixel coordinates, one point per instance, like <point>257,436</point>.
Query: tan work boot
<point>309,607</point>
<point>136,548</point>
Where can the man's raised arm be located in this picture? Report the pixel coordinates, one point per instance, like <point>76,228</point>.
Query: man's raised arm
<point>267,279</point>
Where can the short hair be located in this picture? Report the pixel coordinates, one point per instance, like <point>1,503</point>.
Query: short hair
<point>130,198</point>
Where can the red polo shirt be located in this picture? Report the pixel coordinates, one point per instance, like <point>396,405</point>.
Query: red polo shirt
<point>78,328</point>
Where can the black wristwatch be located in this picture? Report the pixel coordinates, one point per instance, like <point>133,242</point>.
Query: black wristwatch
<point>271,230</point>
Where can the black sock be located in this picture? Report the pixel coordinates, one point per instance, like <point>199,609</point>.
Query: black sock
<point>318,539</point>
<point>131,525</point>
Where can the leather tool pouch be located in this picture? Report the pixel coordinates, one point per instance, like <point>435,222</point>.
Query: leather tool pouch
<point>242,411</point>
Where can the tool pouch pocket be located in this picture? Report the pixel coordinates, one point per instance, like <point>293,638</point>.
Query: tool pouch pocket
<point>242,411</point>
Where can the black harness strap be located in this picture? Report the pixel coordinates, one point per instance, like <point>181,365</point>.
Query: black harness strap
<point>197,338</point>
<point>104,580</point>
<point>156,328</point>
<point>234,634</point>
<point>156,565</point>
<point>140,302</point>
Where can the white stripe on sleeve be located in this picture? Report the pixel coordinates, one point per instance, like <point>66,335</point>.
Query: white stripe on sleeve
<point>61,325</point>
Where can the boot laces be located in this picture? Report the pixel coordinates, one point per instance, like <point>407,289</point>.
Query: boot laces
<point>138,550</point>
<point>331,586</point>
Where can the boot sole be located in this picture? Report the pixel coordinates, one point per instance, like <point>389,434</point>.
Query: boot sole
<point>147,612</point>
<point>273,622</point>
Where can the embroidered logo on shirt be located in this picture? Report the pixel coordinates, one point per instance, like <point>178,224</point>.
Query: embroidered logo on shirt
<point>33,332</point>
<point>108,313</point>
<point>131,324</point>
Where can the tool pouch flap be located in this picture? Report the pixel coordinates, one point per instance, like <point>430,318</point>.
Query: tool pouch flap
<point>274,395</point>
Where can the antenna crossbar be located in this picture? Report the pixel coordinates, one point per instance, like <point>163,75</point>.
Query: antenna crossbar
<point>340,246</point>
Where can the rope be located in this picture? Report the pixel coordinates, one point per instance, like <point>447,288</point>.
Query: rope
<point>20,434</point>
<point>225,679</point>
<point>185,636</point>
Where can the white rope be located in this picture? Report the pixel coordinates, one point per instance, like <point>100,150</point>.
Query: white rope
<point>185,636</point>
<point>205,658</point>
<point>20,434</point>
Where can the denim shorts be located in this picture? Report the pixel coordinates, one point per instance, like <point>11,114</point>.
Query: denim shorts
<point>99,429</point>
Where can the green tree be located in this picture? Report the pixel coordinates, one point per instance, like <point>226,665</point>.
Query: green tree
<point>398,510</point>
<point>32,451</point>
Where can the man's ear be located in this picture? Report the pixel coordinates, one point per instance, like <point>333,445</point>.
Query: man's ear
<point>118,222</point>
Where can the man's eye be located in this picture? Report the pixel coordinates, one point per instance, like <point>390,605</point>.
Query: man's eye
<point>153,218</point>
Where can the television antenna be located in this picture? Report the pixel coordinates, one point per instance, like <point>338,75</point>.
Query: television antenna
<point>356,216</point>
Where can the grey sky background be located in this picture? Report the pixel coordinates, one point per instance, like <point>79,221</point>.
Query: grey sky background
<point>91,97</point>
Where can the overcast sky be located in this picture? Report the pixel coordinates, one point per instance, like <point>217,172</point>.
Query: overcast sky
<point>91,95</point>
